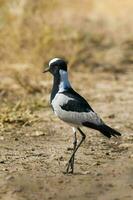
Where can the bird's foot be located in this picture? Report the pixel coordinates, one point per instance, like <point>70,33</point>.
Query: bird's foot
<point>70,167</point>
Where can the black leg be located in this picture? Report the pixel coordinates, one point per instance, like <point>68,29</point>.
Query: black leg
<point>74,147</point>
<point>70,162</point>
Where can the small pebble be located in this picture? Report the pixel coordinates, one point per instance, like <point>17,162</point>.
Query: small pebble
<point>126,145</point>
<point>9,177</point>
<point>1,138</point>
<point>86,172</point>
<point>2,161</point>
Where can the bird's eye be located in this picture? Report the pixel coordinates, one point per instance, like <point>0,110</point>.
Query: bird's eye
<point>54,69</point>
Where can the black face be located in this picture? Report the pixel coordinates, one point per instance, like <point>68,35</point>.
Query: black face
<point>56,65</point>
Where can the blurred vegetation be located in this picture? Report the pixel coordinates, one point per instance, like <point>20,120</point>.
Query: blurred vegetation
<point>34,31</point>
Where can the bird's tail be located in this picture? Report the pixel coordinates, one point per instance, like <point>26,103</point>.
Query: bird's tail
<point>108,131</point>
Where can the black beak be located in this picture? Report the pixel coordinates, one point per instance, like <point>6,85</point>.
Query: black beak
<point>46,70</point>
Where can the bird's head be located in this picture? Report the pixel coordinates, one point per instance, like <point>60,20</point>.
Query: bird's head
<point>55,65</point>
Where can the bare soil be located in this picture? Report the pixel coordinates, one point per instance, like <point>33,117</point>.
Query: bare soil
<point>33,157</point>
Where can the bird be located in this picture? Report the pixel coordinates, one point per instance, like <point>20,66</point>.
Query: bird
<point>72,108</point>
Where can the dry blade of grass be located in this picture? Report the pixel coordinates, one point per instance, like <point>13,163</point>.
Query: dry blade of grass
<point>27,84</point>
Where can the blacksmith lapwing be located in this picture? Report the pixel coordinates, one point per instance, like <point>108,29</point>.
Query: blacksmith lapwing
<point>72,108</point>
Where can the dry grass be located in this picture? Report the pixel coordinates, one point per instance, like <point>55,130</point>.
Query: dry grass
<point>32,32</point>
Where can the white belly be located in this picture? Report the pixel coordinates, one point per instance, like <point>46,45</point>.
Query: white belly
<point>73,118</point>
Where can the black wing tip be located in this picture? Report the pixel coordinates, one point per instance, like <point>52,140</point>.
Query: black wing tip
<point>104,129</point>
<point>108,131</point>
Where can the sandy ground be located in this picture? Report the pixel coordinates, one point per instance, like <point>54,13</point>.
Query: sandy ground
<point>33,158</point>
<point>96,37</point>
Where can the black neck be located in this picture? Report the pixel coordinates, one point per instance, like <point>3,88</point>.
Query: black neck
<point>55,87</point>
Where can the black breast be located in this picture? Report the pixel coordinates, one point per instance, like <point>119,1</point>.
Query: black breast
<point>55,87</point>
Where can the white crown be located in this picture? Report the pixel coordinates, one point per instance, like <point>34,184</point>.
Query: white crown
<point>53,60</point>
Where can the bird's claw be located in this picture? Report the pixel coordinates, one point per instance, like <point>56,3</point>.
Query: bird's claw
<point>70,167</point>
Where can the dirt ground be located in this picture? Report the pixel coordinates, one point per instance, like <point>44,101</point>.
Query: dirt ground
<point>35,146</point>
<point>33,158</point>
